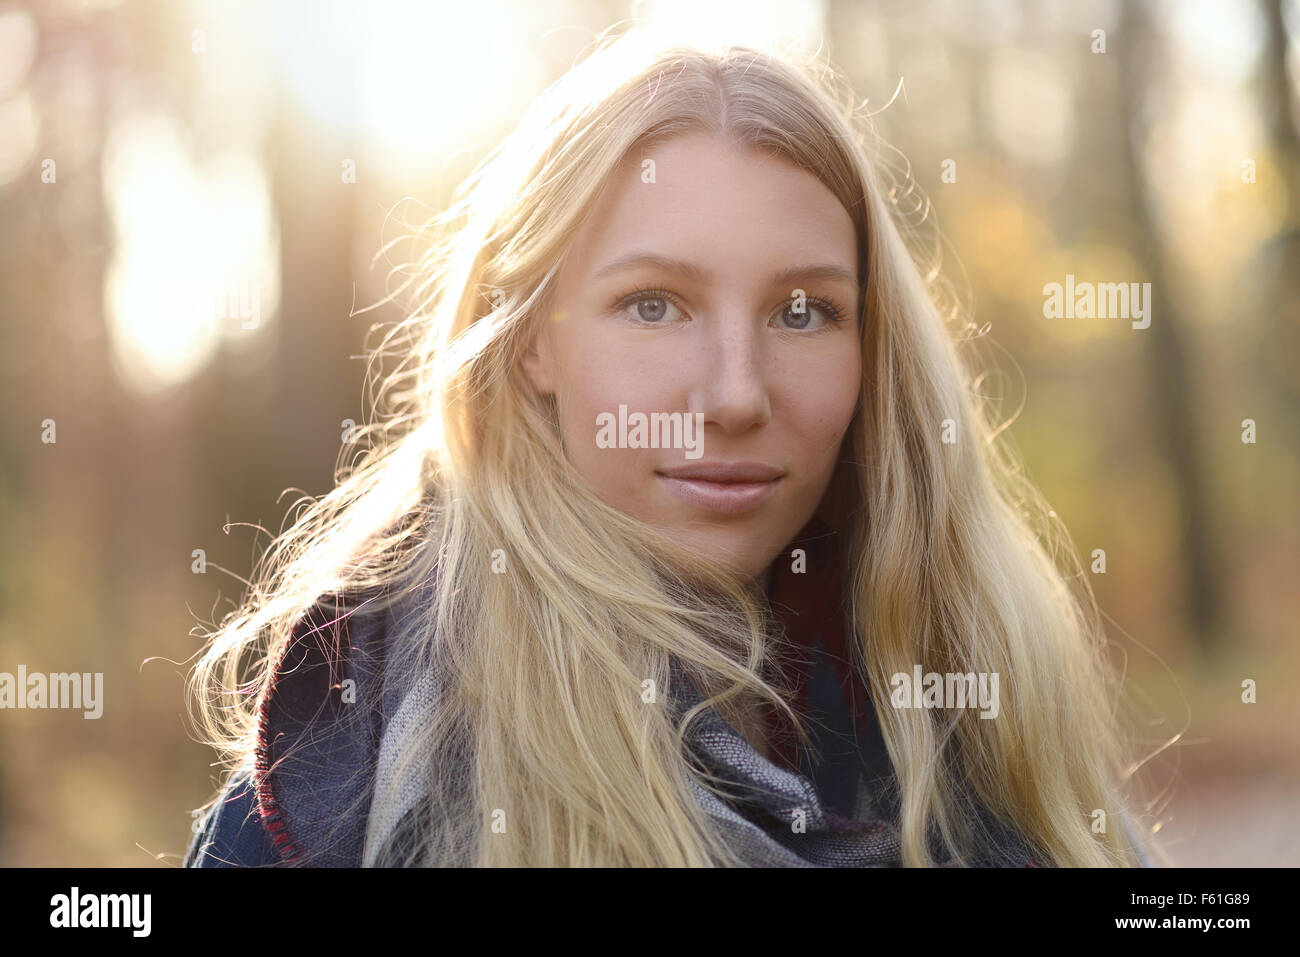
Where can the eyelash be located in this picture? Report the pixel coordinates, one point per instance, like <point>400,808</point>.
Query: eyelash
<point>835,311</point>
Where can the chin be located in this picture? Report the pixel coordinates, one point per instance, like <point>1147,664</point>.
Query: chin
<point>743,556</point>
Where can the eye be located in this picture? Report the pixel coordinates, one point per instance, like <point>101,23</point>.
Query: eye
<point>653,307</point>
<point>801,319</point>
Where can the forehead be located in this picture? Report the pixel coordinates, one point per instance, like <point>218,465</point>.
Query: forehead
<point>734,210</point>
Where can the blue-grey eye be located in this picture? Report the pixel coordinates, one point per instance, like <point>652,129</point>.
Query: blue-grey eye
<point>800,318</point>
<point>651,310</point>
<point>651,307</point>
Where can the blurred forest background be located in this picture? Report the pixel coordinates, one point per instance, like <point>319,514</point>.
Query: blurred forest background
<point>147,148</point>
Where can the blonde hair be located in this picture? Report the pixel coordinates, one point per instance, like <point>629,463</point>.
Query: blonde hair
<point>952,552</point>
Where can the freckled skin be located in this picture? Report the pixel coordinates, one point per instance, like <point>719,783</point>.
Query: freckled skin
<point>774,386</point>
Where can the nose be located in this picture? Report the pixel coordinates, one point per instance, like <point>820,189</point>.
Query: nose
<point>732,391</point>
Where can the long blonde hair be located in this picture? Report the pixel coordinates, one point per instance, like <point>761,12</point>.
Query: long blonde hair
<point>953,555</point>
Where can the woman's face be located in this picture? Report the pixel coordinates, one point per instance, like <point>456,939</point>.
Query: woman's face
<point>699,301</point>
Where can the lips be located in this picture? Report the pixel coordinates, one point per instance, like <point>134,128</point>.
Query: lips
<point>728,488</point>
<point>725,472</point>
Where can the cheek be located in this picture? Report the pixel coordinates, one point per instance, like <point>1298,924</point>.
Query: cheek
<point>595,380</point>
<point>821,398</point>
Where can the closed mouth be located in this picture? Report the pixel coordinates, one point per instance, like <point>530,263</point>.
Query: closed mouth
<point>725,489</point>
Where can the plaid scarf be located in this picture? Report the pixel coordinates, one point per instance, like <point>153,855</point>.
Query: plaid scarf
<point>833,806</point>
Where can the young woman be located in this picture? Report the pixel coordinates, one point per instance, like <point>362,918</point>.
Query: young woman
<point>687,541</point>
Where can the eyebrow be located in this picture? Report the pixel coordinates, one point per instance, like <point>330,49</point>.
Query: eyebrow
<point>694,272</point>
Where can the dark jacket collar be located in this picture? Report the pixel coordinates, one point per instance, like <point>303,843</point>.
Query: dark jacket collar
<point>318,732</point>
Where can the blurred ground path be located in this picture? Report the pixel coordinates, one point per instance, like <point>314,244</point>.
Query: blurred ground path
<point>1241,822</point>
